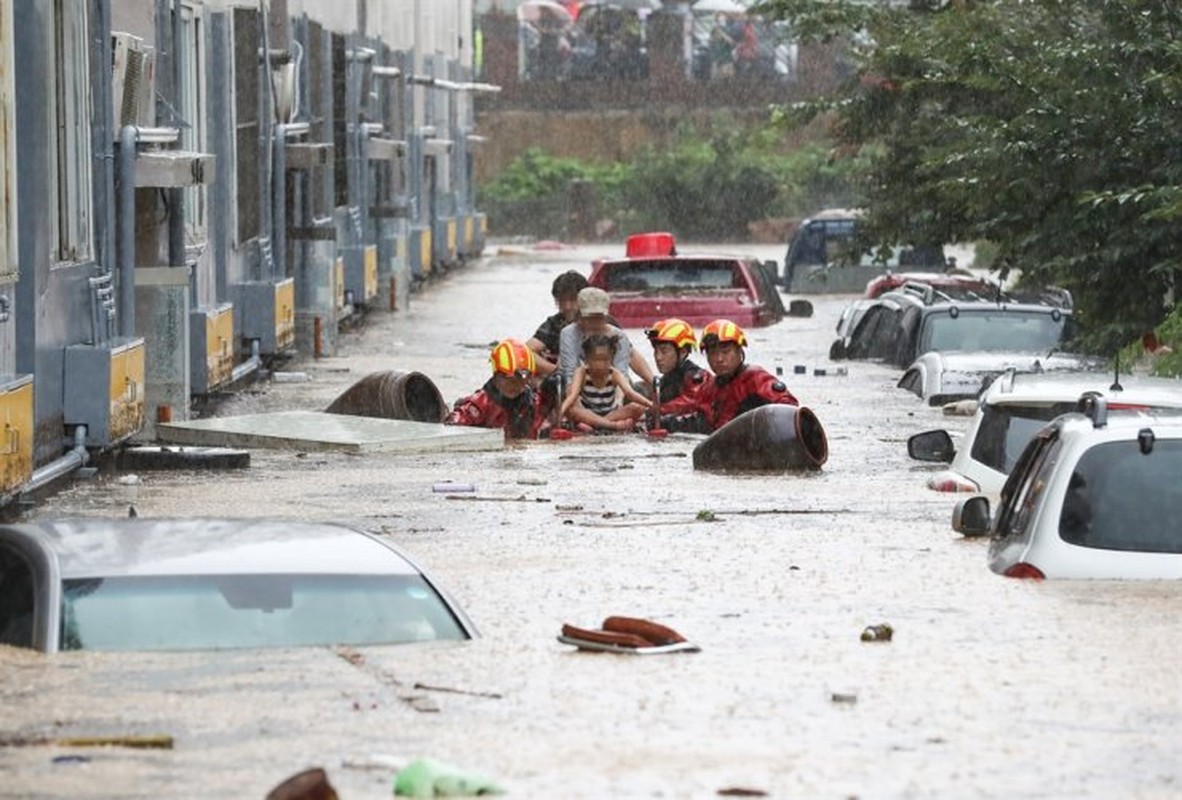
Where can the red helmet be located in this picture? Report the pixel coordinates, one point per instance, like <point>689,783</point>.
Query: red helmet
<point>676,332</point>
<point>723,330</point>
<point>512,357</point>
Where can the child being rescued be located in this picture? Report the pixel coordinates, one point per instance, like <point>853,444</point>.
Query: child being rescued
<point>600,396</point>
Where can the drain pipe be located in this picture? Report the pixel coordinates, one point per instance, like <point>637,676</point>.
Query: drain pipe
<point>126,316</point>
<point>248,366</point>
<point>78,457</point>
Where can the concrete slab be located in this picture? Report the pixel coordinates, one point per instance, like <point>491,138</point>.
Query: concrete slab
<point>318,431</point>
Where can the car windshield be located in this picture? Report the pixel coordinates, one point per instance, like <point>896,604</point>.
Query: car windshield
<point>1006,429</point>
<point>992,331</point>
<point>679,276</point>
<point>214,612</point>
<point>1122,498</point>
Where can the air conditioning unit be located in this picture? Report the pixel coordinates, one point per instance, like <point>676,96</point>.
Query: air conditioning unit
<point>133,82</point>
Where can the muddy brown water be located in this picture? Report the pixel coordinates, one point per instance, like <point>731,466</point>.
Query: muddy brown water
<point>989,686</point>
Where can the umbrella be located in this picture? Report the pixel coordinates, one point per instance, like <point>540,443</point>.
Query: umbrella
<point>543,10</point>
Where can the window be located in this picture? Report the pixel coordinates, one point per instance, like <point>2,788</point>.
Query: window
<point>1026,485</point>
<point>1006,429</point>
<point>16,599</point>
<point>1120,498</point>
<point>227,611</point>
<point>993,331</point>
<point>639,276</point>
<point>70,128</point>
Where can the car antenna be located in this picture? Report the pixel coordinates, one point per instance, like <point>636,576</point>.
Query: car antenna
<point>1116,387</point>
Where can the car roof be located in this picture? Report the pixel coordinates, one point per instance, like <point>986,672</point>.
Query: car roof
<point>1120,427</point>
<point>1026,388</point>
<point>108,547</point>
<point>688,258</point>
<point>836,213</point>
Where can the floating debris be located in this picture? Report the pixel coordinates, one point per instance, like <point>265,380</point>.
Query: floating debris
<point>878,633</point>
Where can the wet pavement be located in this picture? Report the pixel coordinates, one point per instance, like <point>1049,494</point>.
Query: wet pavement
<point>989,686</point>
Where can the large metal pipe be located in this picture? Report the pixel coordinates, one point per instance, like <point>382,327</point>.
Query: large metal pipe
<point>771,438</point>
<point>72,460</point>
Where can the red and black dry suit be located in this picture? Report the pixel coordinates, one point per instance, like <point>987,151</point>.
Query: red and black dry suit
<point>728,397</point>
<point>681,386</point>
<point>520,416</point>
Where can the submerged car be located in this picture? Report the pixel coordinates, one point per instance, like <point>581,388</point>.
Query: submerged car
<point>938,377</point>
<point>196,584</point>
<point>825,255</point>
<point>954,281</point>
<point>1093,495</point>
<point>654,281</point>
<point>902,325</point>
<point>1012,410</point>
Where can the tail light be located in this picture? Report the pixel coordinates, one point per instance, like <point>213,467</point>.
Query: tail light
<point>948,481</point>
<point>1024,570</point>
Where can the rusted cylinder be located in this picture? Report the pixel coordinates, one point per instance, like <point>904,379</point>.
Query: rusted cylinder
<point>392,395</point>
<point>773,438</point>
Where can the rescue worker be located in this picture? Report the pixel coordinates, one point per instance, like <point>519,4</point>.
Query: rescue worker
<point>681,380</point>
<point>737,386</point>
<point>506,400</point>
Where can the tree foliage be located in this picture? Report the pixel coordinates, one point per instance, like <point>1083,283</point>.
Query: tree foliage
<point>1050,128</point>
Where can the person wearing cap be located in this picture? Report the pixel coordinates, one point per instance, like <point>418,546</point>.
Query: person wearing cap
<point>737,387</point>
<point>506,400</point>
<point>681,380</point>
<point>593,318</point>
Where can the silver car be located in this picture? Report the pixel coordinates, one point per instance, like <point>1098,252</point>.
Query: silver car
<point>1094,495</point>
<point>1012,410</point>
<point>188,584</point>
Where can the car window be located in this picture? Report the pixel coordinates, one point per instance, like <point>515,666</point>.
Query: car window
<point>639,276</point>
<point>1005,429</point>
<point>767,286</point>
<point>1119,498</point>
<point>212,612</point>
<point>16,599</point>
<point>864,341</point>
<point>1026,484</point>
<point>903,350</point>
<point>995,331</point>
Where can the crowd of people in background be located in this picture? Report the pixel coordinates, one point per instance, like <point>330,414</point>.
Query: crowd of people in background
<point>575,374</point>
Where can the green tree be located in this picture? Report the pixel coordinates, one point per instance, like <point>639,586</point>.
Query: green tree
<point>1050,128</point>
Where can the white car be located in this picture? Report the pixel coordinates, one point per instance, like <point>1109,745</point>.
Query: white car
<point>940,377</point>
<point>1094,495</point>
<point>1012,410</point>
<point>201,584</point>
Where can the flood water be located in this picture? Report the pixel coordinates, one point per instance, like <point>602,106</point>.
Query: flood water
<point>990,687</point>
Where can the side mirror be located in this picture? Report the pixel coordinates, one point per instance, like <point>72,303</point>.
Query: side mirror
<point>932,446</point>
<point>837,350</point>
<point>971,516</point>
<point>800,308</point>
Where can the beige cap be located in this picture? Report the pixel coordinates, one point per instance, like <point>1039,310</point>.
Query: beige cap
<point>592,301</point>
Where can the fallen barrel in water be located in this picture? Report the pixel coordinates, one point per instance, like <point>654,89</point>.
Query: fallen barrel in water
<point>773,438</point>
<point>392,395</point>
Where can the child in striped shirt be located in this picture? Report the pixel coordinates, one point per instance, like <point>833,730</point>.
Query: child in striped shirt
<point>600,395</point>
